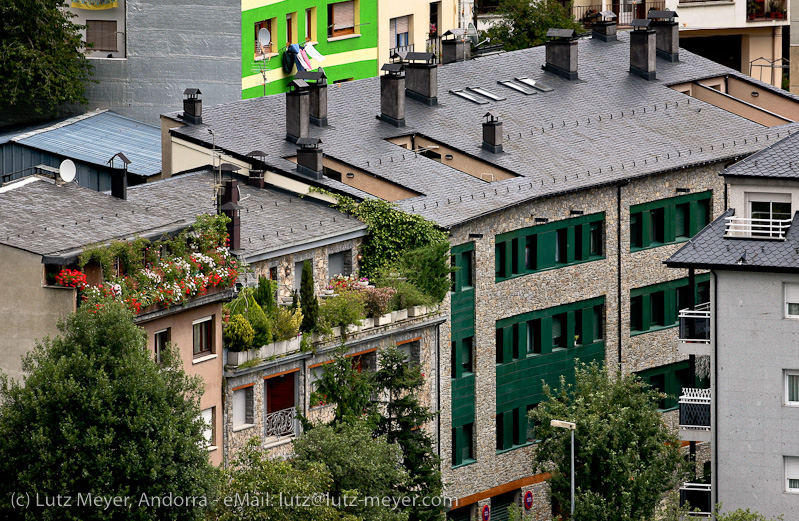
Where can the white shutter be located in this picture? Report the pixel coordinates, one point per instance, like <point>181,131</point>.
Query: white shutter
<point>239,407</point>
<point>343,15</point>
<point>791,472</point>
<point>791,299</point>
<point>208,420</point>
<point>392,33</point>
<point>402,24</point>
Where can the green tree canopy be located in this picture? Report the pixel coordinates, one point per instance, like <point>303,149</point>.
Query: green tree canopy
<point>524,23</point>
<point>41,55</point>
<point>626,457</point>
<point>96,415</point>
<point>349,389</point>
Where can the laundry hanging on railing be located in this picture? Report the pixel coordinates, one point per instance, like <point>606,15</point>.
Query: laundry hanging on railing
<point>311,51</point>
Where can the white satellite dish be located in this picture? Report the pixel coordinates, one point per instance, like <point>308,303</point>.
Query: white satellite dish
<point>66,170</point>
<point>264,38</point>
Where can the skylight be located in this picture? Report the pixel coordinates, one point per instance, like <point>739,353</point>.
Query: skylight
<point>515,86</point>
<point>465,95</point>
<point>534,84</point>
<point>490,95</point>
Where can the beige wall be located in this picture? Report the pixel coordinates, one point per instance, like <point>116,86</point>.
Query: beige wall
<point>209,369</point>
<point>713,97</point>
<point>420,23</point>
<point>764,99</point>
<point>29,310</point>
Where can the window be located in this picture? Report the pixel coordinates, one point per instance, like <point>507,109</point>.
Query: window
<point>102,35</point>
<point>512,428</point>
<point>291,29</point>
<point>670,379</point>
<point>273,273</point>
<point>792,300</point>
<point>413,352</point>
<point>462,357</point>
<point>265,45</point>
<point>668,220</point>
<point>208,416</point>
<point>769,206</point>
<point>297,275</point>
<point>548,246</point>
<point>532,425</point>
<point>399,29</point>
<point>791,474</point>
<point>160,342</point>
<point>339,264</point>
<point>463,262</point>
<point>657,306</point>
<point>242,407</point>
<point>792,388</point>
<point>310,24</point>
<point>203,336</point>
<point>341,19</point>
<point>462,441</point>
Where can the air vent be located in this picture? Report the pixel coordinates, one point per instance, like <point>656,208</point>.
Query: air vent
<point>537,85</point>
<point>465,95</point>
<point>515,86</point>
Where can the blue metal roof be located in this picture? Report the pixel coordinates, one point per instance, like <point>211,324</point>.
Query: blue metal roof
<point>95,138</point>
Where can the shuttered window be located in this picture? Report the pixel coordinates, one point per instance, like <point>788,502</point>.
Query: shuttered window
<point>499,506</point>
<point>208,430</point>
<point>102,34</point>
<point>792,473</point>
<point>399,29</point>
<point>792,300</point>
<point>669,220</point>
<point>341,18</point>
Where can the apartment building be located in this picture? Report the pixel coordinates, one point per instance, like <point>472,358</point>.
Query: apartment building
<point>747,332</point>
<point>563,189</point>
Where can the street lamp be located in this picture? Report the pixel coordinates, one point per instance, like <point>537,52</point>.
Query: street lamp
<point>572,427</point>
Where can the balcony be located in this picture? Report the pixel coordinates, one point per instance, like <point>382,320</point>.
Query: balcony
<point>766,229</point>
<point>695,414</point>
<point>695,331</point>
<point>697,495</point>
<point>281,424</point>
<point>625,12</point>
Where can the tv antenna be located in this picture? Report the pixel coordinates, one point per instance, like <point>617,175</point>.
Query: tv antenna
<point>264,41</point>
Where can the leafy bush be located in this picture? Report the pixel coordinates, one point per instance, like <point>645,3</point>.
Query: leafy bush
<point>287,324</point>
<point>265,295</point>
<point>428,269</point>
<point>407,295</point>
<point>343,310</point>
<point>308,300</point>
<point>378,300</point>
<point>238,333</point>
<point>246,305</point>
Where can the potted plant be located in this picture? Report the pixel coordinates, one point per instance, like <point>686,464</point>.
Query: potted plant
<point>287,328</point>
<point>238,336</point>
<point>751,9</point>
<point>343,311</point>
<point>378,302</point>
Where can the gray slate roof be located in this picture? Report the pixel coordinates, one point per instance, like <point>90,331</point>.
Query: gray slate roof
<point>710,249</point>
<point>605,127</point>
<point>270,220</point>
<point>777,161</point>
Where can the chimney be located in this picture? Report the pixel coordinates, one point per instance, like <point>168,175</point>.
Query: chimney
<point>256,177</point>
<point>642,50</point>
<point>231,208</point>
<point>192,106</point>
<point>492,134</point>
<point>119,177</point>
<point>667,33</point>
<point>297,111</point>
<point>309,157</point>
<point>392,94</point>
<point>604,27</point>
<point>561,53</point>
<point>317,96</point>
<point>421,77</point>
<point>455,46</point>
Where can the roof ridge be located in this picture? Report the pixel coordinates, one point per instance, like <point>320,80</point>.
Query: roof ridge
<point>61,124</point>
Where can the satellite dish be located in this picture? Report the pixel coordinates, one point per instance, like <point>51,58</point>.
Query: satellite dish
<point>264,38</point>
<point>66,170</point>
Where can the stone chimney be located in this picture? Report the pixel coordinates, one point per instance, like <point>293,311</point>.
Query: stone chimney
<point>309,157</point>
<point>642,50</point>
<point>604,27</point>
<point>297,110</point>
<point>230,207</point>
<point>561,53</point>
<point>119,178</point>
<point>421,77</point>
<point>256,177</point>
<point>192,106</point>
<point>667,32</point>
<point>317,88</point>
<point>492,134</point>
<point>455,46</point>
<point>392,94</point>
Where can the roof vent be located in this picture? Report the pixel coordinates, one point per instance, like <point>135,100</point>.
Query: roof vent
<point>256,177</point>
<point>561,53</point>
<point>455,46</point>
<point>309,157</point>
<point>421,77</point>
<point>668,34</point>
<point>192,106</point>
<point>119,179</point>
<point>230,207</point>
<point>392,94</point>
<point>642,50</point>
<point>492,134</point>
<point>604,27</point>
<point>317,89</point>
<point>297,111</point>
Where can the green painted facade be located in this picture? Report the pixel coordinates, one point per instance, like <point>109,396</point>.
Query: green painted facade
<point>667,221</point>
<point>657,306</point>
<point>463,392</point>
<point>670,379</point>
<point>278,11</point>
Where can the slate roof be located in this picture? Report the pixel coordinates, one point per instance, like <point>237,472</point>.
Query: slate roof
<point>96,136</point>
<point>607,126</point>
<point>270,220</point>
<point>777,161</point>
<point>40,217</point>
<point>710,249</point>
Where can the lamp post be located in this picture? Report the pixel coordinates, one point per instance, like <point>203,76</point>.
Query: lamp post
<point>572,427</point>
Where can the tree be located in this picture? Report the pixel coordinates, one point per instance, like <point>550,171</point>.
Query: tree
<point>344,386</point>
<point>524,23</point>
<point>308,300</point>
<point>96,415</point>
<point>41,55</point>
<point>403,423</point>
<point>743,515</point>
<point>626,457</point>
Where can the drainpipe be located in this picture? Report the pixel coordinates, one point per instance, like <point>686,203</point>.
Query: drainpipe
<point>438,390</point>
<point>618,262</point>
<point>714,384</point>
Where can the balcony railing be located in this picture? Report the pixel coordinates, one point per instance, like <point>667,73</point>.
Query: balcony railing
<point>625,12</point>
<point>434,46</point>
<point>695,409</point>
<point>697,495</point>
<point>281,423</point>
<point>757,228</point>
<point>695,324</point>
<point>401,50</point>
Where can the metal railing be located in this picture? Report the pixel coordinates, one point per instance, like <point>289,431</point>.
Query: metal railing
<point>625,12</point>
<point>756,228</point>
<point>400,50</point>
<point>695,324</point>
<point>695,409</point>
<point>434,45</point>
<point>281,423</point>
<point>697,495</point>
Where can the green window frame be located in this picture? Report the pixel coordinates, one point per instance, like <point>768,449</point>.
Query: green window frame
<point>549,246</point>
<point>670,379</point>
<point>656,307</point>
<point>463,445</point>
<point>669,221</point>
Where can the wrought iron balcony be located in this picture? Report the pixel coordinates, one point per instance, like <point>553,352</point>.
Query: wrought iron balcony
<point>695,409</point>
<point>773,229</point>
<point>695,324</point>
<point>281,423</point>
<point>697,495</point>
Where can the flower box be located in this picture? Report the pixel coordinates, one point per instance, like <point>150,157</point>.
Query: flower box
<point>293,345</point>
<point>417,311</point>
<point>368,322</point>
<point>353,328</point>
<point>237,357</point>
<point>401,314</point>
<point>383,320</point>
<point>336,331</point>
